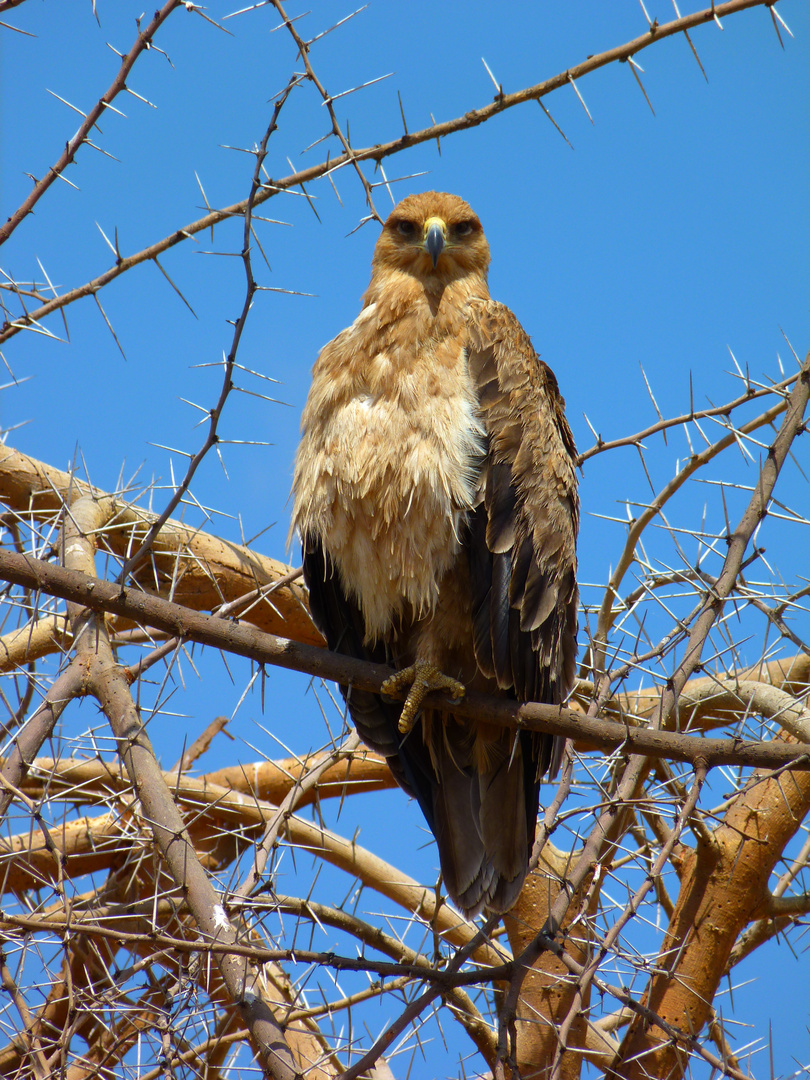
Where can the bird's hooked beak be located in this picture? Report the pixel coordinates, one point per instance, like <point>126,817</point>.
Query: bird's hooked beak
<point>435,237</point>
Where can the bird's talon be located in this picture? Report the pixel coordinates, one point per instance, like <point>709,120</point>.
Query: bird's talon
<point>423,678</point>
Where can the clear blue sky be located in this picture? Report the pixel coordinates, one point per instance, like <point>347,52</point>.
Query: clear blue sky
<point>657,241</point>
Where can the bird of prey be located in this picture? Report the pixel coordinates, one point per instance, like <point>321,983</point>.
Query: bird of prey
<point>435,496</point>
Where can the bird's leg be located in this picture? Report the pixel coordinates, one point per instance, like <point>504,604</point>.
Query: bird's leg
<point>422,677</point>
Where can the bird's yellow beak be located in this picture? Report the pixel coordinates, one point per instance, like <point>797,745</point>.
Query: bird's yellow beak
<point>435,238</point>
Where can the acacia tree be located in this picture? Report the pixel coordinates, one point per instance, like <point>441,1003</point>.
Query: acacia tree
<point>147,931</point>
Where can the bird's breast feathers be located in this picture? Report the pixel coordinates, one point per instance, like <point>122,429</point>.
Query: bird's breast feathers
<point>388,463</point>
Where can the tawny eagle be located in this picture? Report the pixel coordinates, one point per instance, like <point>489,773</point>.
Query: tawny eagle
<point>436,500</point>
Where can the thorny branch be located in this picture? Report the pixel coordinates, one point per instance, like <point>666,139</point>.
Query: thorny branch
<point>337,131</point>
<point>608,610</point>
<point>212,437</point>
<point>107,684</point>
<point>791,427</point>
<point>91,118</point>
<point>163,944</point>
<point>612,936</point>
<point>190,625</point>
<point>377,153</point>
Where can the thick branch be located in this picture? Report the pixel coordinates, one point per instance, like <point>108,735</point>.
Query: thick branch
<point>108,684</point>
<point>247,641</point>
<point>722,885</point>
<point>187,564</point>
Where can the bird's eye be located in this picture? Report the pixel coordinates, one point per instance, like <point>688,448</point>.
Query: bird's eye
<point>406,228</point>
<point>463,228</point>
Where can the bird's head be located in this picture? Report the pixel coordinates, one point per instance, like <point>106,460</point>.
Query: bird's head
<point>435,237</point>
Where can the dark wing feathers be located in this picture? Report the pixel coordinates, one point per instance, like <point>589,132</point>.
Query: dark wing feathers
<point>481,574</point>
<point>521,547</point>
<point>537,599</point>
<point>499,618</point>
<point>500,499</point>
<point>528,491</point>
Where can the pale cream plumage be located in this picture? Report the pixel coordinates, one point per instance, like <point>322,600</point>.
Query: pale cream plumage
<point>435,497</point>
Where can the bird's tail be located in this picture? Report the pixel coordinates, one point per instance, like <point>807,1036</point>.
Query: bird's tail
<point>485,812</point>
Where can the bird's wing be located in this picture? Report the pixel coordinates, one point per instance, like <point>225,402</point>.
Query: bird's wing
<point>522,540</point>
<point>521,545</point>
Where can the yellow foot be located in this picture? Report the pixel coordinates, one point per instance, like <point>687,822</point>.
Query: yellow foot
<point>423,678</point>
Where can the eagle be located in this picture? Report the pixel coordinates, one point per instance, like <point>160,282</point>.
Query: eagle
<point>435,496</point>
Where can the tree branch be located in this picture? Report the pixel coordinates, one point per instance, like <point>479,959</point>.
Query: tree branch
<point>472,118</point>
<point>98,595</point>
<point>119,84</point>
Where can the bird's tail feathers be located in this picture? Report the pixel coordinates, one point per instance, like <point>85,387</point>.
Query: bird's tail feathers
<point>483,821</point>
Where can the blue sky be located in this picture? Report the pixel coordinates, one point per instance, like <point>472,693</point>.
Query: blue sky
<point>659,242</point>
